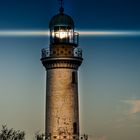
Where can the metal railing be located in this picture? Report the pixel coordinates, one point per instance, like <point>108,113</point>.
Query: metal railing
<point>78,52</point>
<point>46,52</point>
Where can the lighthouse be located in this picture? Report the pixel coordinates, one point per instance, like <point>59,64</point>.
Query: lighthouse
<point>61,60</point>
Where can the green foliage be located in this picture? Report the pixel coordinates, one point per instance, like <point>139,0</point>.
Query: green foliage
<point>11,134</point>
<point>39,136</point>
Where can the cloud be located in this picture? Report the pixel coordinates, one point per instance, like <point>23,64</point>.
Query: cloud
<point>135,106</point>
<point>128,114</point>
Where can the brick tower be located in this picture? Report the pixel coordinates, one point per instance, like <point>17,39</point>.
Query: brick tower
<point>62,60</point>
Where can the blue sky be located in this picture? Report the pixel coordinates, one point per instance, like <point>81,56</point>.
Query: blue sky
<point>108,78</point>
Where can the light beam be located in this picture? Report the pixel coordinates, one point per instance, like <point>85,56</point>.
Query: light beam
<point>20,33</point>
<point>41,33</point>
<point>109,33</point>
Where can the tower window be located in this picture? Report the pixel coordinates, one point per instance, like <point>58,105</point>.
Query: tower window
<point>75,128</point>
<point>74,77</point>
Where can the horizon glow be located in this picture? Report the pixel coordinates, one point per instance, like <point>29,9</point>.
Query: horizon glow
<point>37,33</point>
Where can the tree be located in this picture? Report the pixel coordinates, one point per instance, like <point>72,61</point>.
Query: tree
<point>11,134</point>
<point>39,136</point>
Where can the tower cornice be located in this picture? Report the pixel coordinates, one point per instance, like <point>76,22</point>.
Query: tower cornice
<point>63,62</point>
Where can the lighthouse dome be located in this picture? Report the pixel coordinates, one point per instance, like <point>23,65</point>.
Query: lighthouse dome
<point>62,29</point>
<point>61,19</point>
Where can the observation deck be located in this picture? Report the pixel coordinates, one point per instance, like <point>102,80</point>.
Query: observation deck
<point>48,52</point>
<point>61,57</point>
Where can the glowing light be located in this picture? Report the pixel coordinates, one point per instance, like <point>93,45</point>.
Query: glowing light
<point>62,34</point>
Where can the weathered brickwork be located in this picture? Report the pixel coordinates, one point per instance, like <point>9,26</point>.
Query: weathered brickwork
<point>62,102</point>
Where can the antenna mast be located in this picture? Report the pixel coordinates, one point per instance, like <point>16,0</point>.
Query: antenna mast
<point>61,6</point>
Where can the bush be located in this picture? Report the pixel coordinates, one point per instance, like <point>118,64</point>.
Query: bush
<point>11,134</point>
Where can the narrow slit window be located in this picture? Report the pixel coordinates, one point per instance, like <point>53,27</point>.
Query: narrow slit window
<point>74,77</point>
<point>75,128</point>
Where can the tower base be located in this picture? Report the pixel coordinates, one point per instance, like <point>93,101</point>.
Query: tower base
<point>66,137</point>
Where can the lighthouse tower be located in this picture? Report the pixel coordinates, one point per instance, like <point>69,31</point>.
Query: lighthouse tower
<point>62,60</point>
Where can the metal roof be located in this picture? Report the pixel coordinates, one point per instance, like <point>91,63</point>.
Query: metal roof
<point>61,19</point>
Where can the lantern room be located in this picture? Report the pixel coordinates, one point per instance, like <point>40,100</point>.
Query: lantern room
<point>62,29</point>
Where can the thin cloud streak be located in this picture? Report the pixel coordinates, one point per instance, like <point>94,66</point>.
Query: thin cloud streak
<point>135,106</point>
<point>37,33</point>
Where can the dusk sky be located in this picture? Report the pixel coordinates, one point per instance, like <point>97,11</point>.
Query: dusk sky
<point>109,78</point>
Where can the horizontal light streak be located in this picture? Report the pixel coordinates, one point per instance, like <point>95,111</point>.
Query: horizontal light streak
<point>24,33</point>
<point>109,33</point>
<point>38,33</point>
